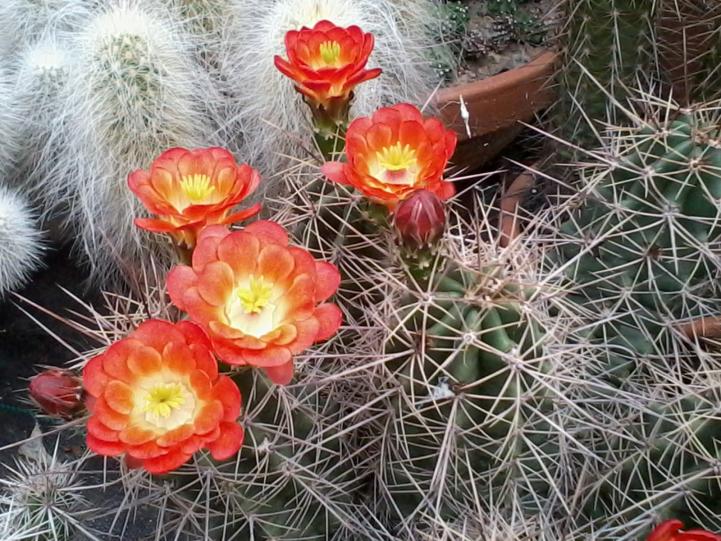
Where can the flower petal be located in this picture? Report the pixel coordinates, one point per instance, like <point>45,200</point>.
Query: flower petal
<point>108,416</point>
<point>179,280</point>
<point>228,443</point>
<point>280,375</point>
<point>100,431</point>
<point>135,435</point>
<point>216,283</point>
<point>271,356</point>
<point>119,396</point>
<point>144,361</point>
<point>175,436</point>
<point>269,232</point>
<point>170,461</point>
<point>329,317</point>
<point>335,171</point>
<point>208,418</point>
<point>228,393</point>
<point>94,378</point>
<point>104,448</point>
<point>327,280</point>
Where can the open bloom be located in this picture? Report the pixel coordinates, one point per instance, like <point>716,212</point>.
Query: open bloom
<point>394,153</point>
<point>156,397</point>
<point>189,189</point>
<point>326,63</point>
<point>670,530</point>
<point>260,300</point>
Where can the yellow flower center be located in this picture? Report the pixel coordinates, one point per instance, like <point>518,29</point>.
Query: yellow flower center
<point>397,157</point>
<point>330,53</point>
<point>162,400</point>
<point>197,187</point>
<point>256,296</point>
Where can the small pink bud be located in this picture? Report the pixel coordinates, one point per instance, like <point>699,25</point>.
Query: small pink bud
<point>420,219</point>
<point>57,392</point>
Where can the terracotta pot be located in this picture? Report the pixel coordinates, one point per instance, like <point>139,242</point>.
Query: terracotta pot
<point>496,106</point>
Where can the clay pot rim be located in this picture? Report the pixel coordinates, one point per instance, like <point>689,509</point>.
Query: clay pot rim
<point>500,87</point>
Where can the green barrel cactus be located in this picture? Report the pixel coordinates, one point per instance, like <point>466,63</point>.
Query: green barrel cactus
<point>666,466</point>
<point>642,251</point>
<point>470,406</point>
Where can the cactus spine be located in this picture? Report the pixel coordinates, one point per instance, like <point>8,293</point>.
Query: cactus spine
<point>648,233</point>
<point>40,83</point>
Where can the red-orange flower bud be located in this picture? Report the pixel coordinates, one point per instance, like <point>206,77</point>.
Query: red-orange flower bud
<point>57,392</point>
<point>670,530</point>
<point>420,220</point>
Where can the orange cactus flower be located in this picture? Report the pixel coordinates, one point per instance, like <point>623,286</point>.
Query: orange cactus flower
<point>670,530</point>
<point>156,397</point>
<point>189,189</point>
<point>326,63</point>
<point>260,300</point>
<point>394,153</point>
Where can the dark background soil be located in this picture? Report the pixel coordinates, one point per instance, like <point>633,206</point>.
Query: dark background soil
<point>25,346</point>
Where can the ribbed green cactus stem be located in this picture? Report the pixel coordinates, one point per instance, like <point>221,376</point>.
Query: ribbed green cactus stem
<point>469,418</point>
<point>294,475</point>
<point>642,251</point>
<point>667,466</point>
<point>609,46</point>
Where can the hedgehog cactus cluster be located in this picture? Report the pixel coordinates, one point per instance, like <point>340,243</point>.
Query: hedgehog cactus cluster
<point>380,359</point>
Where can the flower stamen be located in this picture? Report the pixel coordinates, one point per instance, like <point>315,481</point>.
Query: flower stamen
<point>256,296</point>
<point>197,187</point>
<point>397,157</point>
<point>162,400</point>
<point>330,53</point>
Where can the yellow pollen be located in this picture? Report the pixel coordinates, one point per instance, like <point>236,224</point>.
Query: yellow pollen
<point>254,297</point>
<point>197,187</point>
<point>397,157</point>
<point>163,399</point>
<point>330,52</point>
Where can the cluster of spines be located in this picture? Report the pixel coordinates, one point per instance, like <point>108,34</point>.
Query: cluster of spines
<point>137,91</point>
<point>639,246</point>
<point>609,47</point>
<point>21,244</point>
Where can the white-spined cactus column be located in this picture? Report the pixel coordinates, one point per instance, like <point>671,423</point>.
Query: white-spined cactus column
<point>8,120</point>
<point>24,21</point>
<point>137,90</point>
<point>41,75</point>
<point>264,102</point>
<point>20,241</point>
